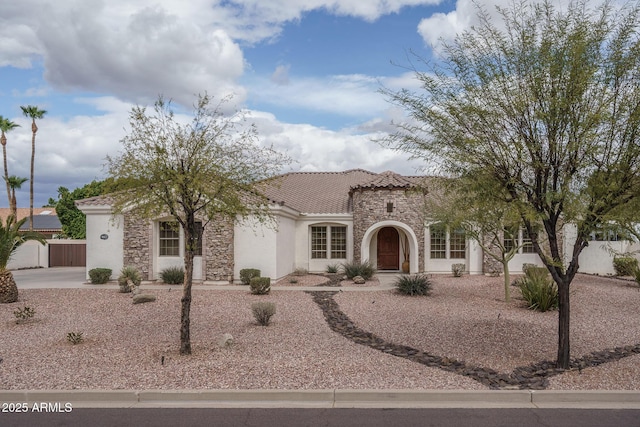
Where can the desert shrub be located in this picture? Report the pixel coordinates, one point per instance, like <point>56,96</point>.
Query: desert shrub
<point>75,337</point>
<point>300,272</point>
<point>99,276</point>
<point>24,314</point>
<point>246,274</point>
<point>625,266</point>
<point>333,268</point>
<point>538,289</point>
<point>172,275</point>
<point>636,275</point>
<point>260,285</point>
<point>263,311</point>
<point>362,269</point>
<point>526,266</point>
<point>457,269</point>
<point>129,273</point>
<point>293,280</point>
<point>416,284</point>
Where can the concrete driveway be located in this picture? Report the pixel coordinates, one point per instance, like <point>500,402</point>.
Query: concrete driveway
<point>55,277</point>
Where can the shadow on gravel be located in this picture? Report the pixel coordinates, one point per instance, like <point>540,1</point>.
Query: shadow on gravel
<point>531,377</point>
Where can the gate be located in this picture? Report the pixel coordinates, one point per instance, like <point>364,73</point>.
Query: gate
<point>67,254</point>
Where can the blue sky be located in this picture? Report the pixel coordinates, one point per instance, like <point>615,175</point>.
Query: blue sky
<point>307,71</point>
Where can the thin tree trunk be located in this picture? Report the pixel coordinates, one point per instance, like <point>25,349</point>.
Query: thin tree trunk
<point>563,326</point>
<point>507,279</point>
<point>34,128</point>
<point>6,169</point>
<point>185,320</point>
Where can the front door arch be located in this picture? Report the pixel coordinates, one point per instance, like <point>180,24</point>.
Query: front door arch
<point>370,233</point>
<point>388,249</point>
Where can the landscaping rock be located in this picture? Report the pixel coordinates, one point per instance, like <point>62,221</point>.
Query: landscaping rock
<point>226,341</point>
<point>358,280</point>
<point>142,298</point>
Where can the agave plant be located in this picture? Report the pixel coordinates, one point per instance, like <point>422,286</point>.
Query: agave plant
<point>10,240</point>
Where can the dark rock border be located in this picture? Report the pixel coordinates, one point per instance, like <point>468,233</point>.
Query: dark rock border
<point>532,377</point>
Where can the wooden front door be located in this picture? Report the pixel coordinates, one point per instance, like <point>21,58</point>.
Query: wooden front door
<point>388,249</point>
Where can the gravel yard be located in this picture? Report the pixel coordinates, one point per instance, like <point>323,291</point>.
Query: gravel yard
<point>465,318</point>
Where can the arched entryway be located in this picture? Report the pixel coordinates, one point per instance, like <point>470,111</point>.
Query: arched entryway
<point>388,249</point>
<point>407,244</point>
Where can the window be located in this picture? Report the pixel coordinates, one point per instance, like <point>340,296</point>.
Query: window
<point>328,242</point>
<point>169,238</point>
<point>510,238</point>
<point>318,242</point>
<point>458,244</point>
<point>338,242</point>
<point>610,233</point>
<point>438,241</point>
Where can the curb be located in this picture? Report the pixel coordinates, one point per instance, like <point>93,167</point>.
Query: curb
<point>591,399</point>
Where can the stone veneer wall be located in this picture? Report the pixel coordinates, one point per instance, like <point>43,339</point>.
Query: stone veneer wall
<point>138,234</point>
<point>218,250</point>
<point>370,207</point>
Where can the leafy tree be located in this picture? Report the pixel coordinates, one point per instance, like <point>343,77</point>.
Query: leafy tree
<point>14,183</point>
<point>74,222</point>
<point>11,238</point>
<point>208,169</point>
<point>32,112</point>
<point>469,204</point>
<point>6,125</point>
<point>547,110</point>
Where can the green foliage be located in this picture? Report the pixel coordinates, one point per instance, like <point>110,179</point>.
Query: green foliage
<point>538,290</point>
<point>333,268</point>
<point>636,276</point>
<point>75,337</point>
<point>24,314</point>
<point>263,311</point>
<point>129,273</point>
<point>172,275</point>
<point>246,274</point>
<point>99,276</point>
<point>74,222</point>
<point>413,285</point>
<point>11,239</point>
<point>625,266</point>
<point>457,269</point>
<point>293,280</point>
<point>300,272</point>
<point>260,285</point>
<point>362,269</point>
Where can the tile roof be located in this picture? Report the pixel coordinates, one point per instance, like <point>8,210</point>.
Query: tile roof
<point>44,219</point>
<point>316,192</point>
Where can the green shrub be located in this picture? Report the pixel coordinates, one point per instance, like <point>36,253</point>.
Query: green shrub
<point>293,280</point>
<point>99,276</point>
<point>333,268</point>
<point>538,289</point>
<point>625,266</point>
<point>75,337</point>
<point>246,274</point>
<point>457,269</point>
<point>172,275</point>
<point>24,314</point>
<point>636,275</point>
<point>129,273</point>
<point>526,266</point>
<point>263,311</point>
<point>416,284</point>
<point>362,269</point>
<point>300,272</point>
<point>260,285</point>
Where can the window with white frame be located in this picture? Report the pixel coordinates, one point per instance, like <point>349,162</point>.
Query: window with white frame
<point>328,241</point>
<point>512,237</point>
<point>447,244</point>
<point>169,238</point>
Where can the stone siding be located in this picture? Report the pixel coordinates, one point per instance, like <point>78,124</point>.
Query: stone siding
<point>370,207</point>
<point>218,251</point>
<point>138,235</point>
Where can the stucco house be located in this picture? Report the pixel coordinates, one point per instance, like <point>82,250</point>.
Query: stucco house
<point>321,218</point>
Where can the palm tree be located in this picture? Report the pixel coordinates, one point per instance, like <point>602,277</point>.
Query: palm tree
<point>34,113</point>
<point>15,183</point>
<point>5,126</point>
<point>10,239</point>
